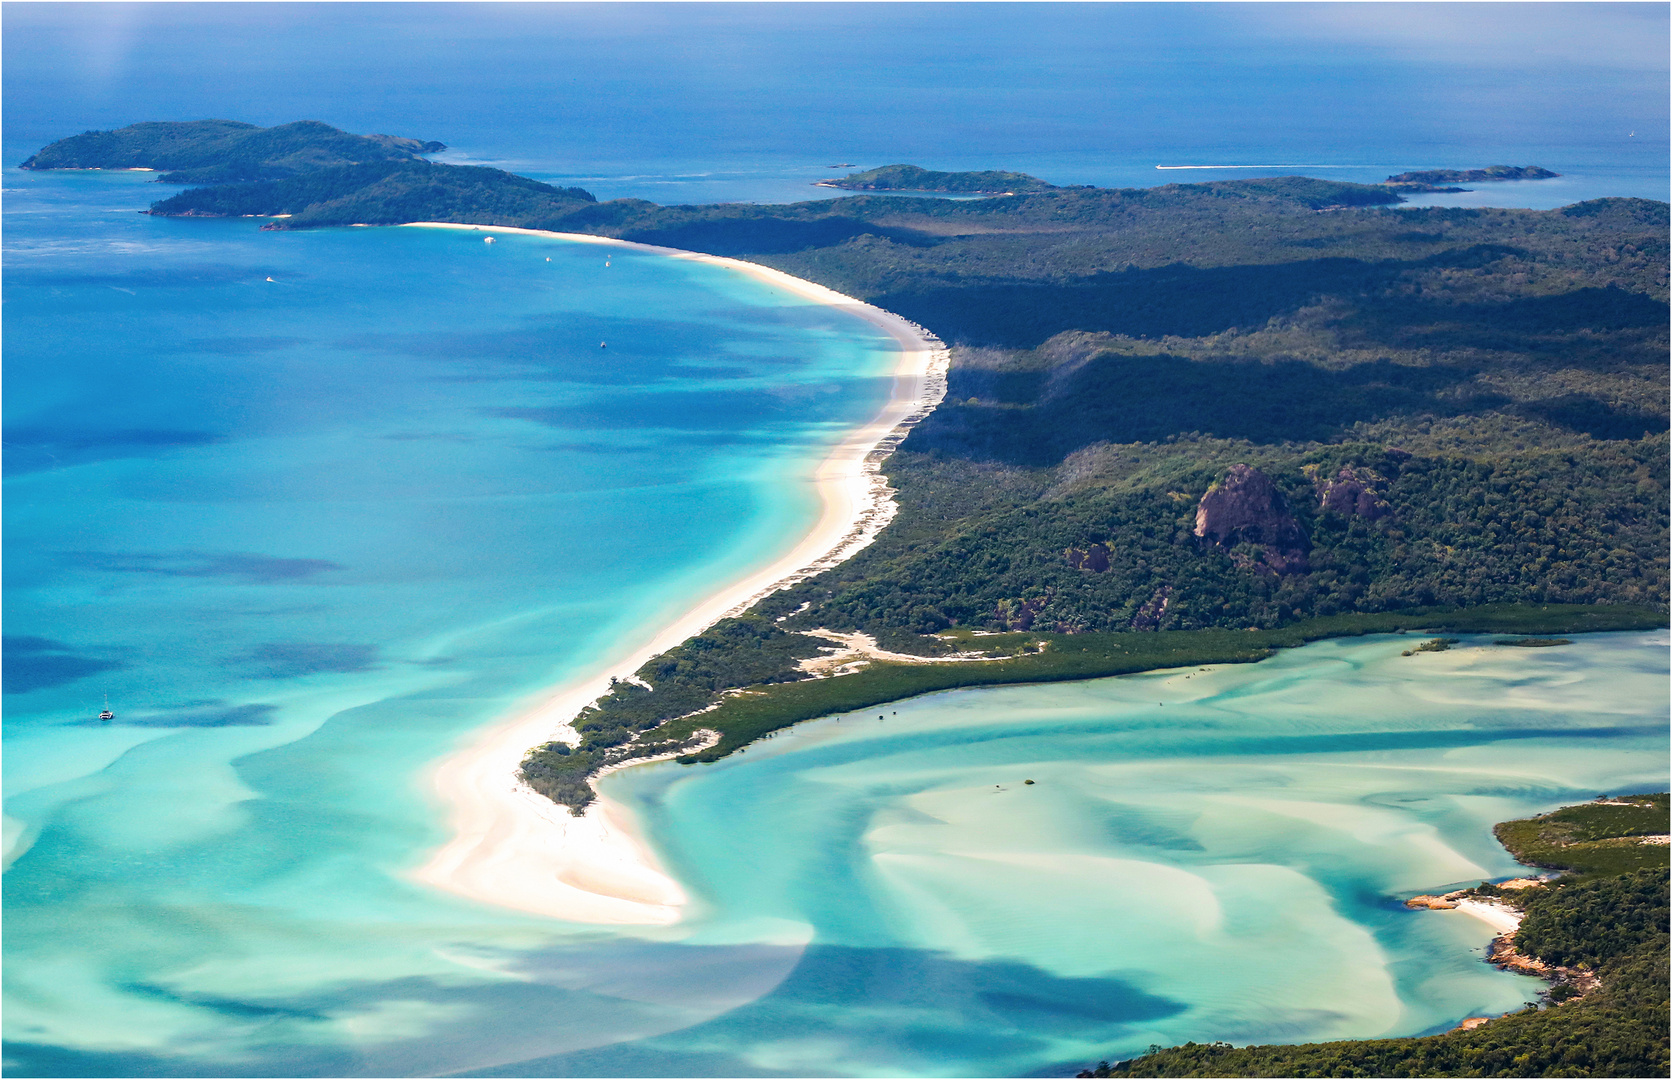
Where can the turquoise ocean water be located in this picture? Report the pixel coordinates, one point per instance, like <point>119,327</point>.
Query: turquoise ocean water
<point>311,508</point>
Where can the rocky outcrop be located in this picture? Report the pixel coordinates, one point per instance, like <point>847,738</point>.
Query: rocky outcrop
<point>1352,492</point>
<point>1094,558</point>
<point>1019,614</point>
<point>1433,903</point>
<point>1150,615</point>
<point>1246,508</point>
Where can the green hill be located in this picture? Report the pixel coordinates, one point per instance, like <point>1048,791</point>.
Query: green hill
<point>1427,407</point>
<point>225,151</point>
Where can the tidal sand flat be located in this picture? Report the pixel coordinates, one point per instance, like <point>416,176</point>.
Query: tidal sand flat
<point>1203,854</point>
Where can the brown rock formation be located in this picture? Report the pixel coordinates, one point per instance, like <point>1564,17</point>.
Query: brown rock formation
<point>1353,492</point>
<point>1019,614</point>
<point>1433,903</point>
<point>1246,508</point>
<point>1150,615</point>
<point>1094,558</point>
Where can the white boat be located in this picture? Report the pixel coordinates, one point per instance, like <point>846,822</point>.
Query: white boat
<point>107,714</point>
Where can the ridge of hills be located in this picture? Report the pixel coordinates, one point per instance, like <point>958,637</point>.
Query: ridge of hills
<point>1394,411</point>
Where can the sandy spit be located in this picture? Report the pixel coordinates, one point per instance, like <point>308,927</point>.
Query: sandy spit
<point>513,847</point>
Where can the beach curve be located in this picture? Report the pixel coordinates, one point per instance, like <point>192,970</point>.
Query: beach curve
<point>513,847</point>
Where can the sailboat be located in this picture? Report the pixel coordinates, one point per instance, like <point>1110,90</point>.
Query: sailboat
<point>107,714</point>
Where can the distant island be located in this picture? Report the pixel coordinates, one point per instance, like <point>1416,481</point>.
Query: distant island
<point>1429,180</point>
<point>226,151</point>
<point>912,178</point>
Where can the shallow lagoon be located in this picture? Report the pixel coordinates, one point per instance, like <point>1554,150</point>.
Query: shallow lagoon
<point>1205,854</point>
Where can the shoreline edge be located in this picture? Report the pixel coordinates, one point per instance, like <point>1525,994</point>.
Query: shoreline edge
<point>514,848</point>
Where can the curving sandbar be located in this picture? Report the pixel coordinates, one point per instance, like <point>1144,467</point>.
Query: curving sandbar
<point>517,849</point>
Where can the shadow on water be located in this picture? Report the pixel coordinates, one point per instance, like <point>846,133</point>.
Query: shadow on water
<point>860,1010</point>
<point>545,1002</point>
<point>840,1010</point>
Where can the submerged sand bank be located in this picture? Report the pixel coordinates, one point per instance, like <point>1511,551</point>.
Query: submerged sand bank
<point>515,848</point>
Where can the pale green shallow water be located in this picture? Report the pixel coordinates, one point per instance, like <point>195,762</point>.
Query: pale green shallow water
<point>1214,857</point>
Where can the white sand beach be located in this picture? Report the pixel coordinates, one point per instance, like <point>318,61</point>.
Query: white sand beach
<point>515,848</point>
<point>1499,917</point>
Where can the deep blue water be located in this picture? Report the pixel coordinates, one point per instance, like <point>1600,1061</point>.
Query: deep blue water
<point>311,507</point>
<point>715,102</point>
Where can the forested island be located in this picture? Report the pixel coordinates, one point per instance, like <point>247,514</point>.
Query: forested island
<point>1598,934</point>
<point>1439,179</point>
<point>912,178</point>
<point>225,151</point>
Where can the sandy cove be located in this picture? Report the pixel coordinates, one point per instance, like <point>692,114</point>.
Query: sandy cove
<point>517,849</point>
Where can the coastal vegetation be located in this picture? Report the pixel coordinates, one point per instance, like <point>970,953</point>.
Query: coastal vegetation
<point>1601,837</point>
<point>1605,931</point>
<point>225,151</point>
<point>743,679</point>
<point>912,178</point>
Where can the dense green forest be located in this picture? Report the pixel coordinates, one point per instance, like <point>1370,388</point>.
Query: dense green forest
<point>1613,924</point>
<point>1594,838</point>
<point>383,193</point>
<point>225,151</point>
<point>1444,409</point>
<point>912,178</point>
